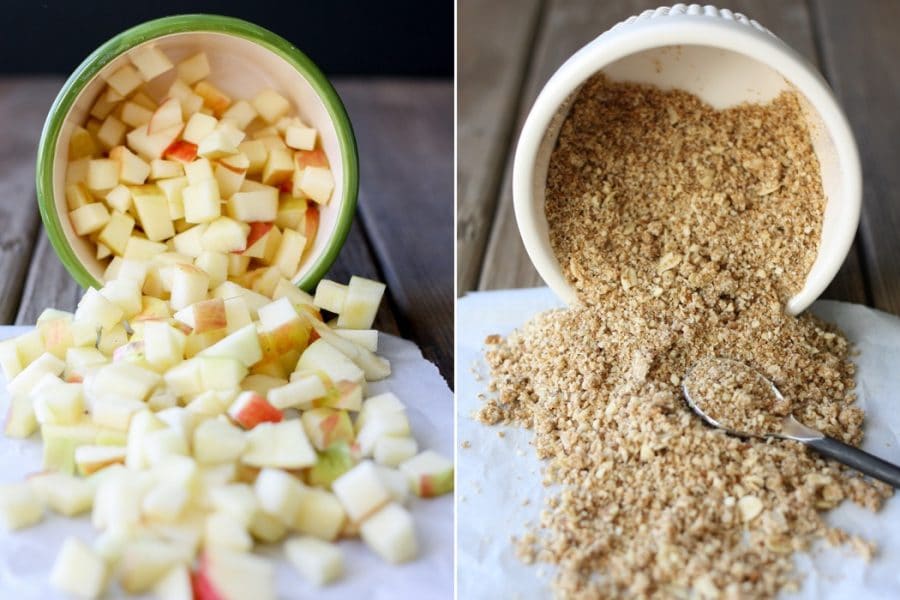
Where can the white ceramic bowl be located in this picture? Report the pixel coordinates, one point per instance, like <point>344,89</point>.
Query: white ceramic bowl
<point>725,59</point>
<point>245,59</point>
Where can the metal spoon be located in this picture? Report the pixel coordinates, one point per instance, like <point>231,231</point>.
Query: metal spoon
<point>792,429</point>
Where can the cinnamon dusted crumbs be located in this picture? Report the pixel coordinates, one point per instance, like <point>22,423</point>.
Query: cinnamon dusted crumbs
<point>684,230</point>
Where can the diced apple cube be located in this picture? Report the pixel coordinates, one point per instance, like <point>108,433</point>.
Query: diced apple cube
<point>290,251</point>
<point>78,195</point>
<point>361,303</point>
<point>188,242</point>
<point>320,515</point>
<point>105,104</point>
<point>167,116</point>
<point>117,232</point>
<point>58,403</point>
<point>229,575</point>
<point>198,127</point>
<point>10,362</point>
<point>65,494</point>
<point>256,153</point>
<point>125,80</point>
<point>89,218</point>
<point>330,295</point>
<point>392,451</point>
<point>242,345</point>
<point>181,151</point>
<point>173,189</point>
<point>102,174</point>
<point>78,570</point>
<point>317,183</point>
<point>271,105</point>
<point>229,181</point>
<point>189,285</point>
<point>390,533</point>
<point>395,482</point>
<point>216,144</point>
<point>217,442</point>
<point>146,561</point>
<point>250,409</point>
<point>165,169</point>
<point>279,494</point>
<point>153,211</point>
<point>150,61</point>
<point>152,145</point>
<point>213,97</point>
<point>429,474</point>
<point>300,137</point>
<point>19,506</point>
<point>261,205</point>
<point>90,459</point>
<point>135,115</point>
<point>140,248</point>
<point>280,445</point>
<point>225,235</point>
<point>215,264</point>
<point>361,491</point>
<point>111,132</point>
<point>325,426</point>
<point>132,170</point>
<point>194,68</point>
<point>241,113</point>
<point>322,356</point>
<point>318,561</point>
<point>82,144</point>
<point>174,585</point>
<point>119,198</point>
<point>222,531</point>
<point>202,201</point>
<point>301,393</point>
<point>279,166</point>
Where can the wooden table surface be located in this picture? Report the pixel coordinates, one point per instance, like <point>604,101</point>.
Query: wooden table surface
<point>509,48</point>
<point>403,233</point>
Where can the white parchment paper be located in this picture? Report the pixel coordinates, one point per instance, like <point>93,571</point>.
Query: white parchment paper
<point>27,556</point>
<point>499,486</point>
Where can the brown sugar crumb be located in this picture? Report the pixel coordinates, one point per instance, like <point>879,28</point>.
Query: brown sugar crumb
<point>684,230</point>
<point>466,444</point>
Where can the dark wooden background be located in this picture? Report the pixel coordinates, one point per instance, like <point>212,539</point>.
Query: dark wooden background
<point>509,48</point>
<point>403,233</point>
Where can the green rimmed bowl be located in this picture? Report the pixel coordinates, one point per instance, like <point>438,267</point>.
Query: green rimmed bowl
<point>244,59</point>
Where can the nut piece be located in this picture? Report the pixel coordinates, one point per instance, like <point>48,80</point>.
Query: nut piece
<point>749,507</point>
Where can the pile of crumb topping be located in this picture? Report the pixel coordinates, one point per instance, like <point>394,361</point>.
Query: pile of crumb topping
<point>736,397</point>
<point>684,230</point>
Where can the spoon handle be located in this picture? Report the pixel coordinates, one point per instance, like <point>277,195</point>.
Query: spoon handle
<point>862,461</point>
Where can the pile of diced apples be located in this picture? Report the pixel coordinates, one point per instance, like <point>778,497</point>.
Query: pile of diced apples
<point>194,411</point>
<point>234,186</point>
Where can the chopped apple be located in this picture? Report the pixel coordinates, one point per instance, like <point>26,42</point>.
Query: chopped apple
<point>213,97</point>
<point>111,132</point>
<point>330,296</point>
<point>119,198</point>
<point>215,264</point>
<point>153,211</point>
<point>189,285</point>
<point>121,380</point>
<point>380,425</point>
<point>150,61</point>
<point>256,153</point>
<point>181,151</point>
<point>395,482</point>
<point>322,356</point>
<point>279,167</point>
<point>242,345</point>
<point>189,241</point>
<point>90,458</point>
<point>225,235</point>
<point>361,303</point>
<point>78,570</point>
<point>222,531</point>
<point>390,533</point>
<point>260,205</point>
<point>115,414</point>
<point>229,181</point>
<point>174,585</point>
<point>117,232</point>
<point>202,205</point>
<point>429,474</point>
<point>19,506</point>
<point>229,575</point>
<point>271,105</point>
<point>366,338</point>
<point>58,403</point>
<point>300,394</point>
<point>82,144</point>
<point>217,441</point>
<point>163,345</point>
<point>266,527</point>
<point>361,491</point>
<point>392,451</point>
<point>319,562</point>
<point>317,183</point>
<point>153,145</point>
<point>320,515</point>
<point>204,316</point>
<point>250,409</point>
<point>198,127</point>
<point>325,426</point>
<point>194,68</point>
<point>140,248</point>
<point>165,169</point>
<point>145,561</point>
<point>25,381</point>
<point>287,259</point>
<point>125,80</point>
<point>20,418</point>
<point>216,145</point>
<point>281,445</point>
<point>102,174</point>
<point>300,137</point>
<point>78,195</point>
<point>167,116</point>
<point>89,218</point>
<point>279,494</point>
<point>105,104</point>
<point>65,494</point>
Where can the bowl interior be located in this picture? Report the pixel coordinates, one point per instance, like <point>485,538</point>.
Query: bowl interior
<point>241,68</point>
<point>722,78</point>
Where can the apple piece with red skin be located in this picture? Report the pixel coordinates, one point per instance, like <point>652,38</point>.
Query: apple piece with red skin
<point>204,316</point>
<point>311,225</point>
<point>229,575</point>
<point>310,158</point>
<point>250,409</point>
<point>181,151</point>
<point>332,462</point>
<point>326,426</point>
<point>429,474</point>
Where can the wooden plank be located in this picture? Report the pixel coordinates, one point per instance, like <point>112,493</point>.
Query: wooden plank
<point>48,285</point>
<point>570,24</point>
<point>860,47</point>
<point>23,106</point>
<point>405,135</point>
<point>493,55</point>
